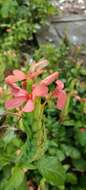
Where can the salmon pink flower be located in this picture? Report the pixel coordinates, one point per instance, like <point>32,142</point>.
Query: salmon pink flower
<point>21,96</point>
<point>78,98</point>
<point>60,94</point>
<point>8,30</point>
<point>51,78</point>
<point>35,71</point>
<point>21,76</point>
<point>38,66</point>
<point>16,76</point>
<point>1,91</point>
<point>82,130</point>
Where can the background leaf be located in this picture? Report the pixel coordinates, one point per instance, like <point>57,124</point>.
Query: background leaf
<point>52,170</point>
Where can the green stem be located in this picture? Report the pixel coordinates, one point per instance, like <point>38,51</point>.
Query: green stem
<point>38,133</point>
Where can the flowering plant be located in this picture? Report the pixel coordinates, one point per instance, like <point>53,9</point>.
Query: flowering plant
<point>29,97</point>
<point>29,91</point>
<point>43,130</point>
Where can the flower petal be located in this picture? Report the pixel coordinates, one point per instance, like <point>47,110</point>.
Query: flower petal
<point>17,91</point>
<point>34,74</point>
<point>38,66</point>
<point>14,89</point>
<point>1,91</point>
<point>15,102</point>
<point>29,107</point>
<point>62,97</point>
<point>77,98</point>
<point>60,84</point>
<point>51,78</point>
<point>19,75</point>
<point>40,90</point>
<point>10,79</point>
<point>21,92</point>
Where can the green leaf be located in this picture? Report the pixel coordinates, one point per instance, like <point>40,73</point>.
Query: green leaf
<point>23,186</point>
<point>9,7</point>
<point>15,180</point>
<point>66,167</point>
<point>60,155</point>
<point>43,184</point>
<point>9,136</point>
<point>82,138</point>
<point>69,123</point>
<point>28,166</point>
<point>71,151</point>
<point>80,164</point>
<point>52,170</point>
<point>71,178</point>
